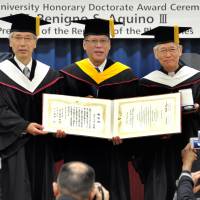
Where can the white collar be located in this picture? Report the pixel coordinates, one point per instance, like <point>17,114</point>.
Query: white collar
<point>15,74</point>
<point>171,74</point>
<point>101,66</point>
<point>22,66</point>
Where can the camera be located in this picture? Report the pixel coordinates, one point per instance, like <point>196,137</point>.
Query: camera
<point>195,142</point>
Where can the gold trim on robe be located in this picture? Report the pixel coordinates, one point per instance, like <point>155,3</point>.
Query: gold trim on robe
<point>99,77</point>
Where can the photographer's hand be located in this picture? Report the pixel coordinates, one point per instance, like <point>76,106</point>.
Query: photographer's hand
<point>188,156</point>
<point>195,178</point>
<point>99,192</point>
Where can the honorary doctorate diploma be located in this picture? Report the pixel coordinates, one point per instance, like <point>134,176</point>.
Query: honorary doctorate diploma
<point>126,118</point>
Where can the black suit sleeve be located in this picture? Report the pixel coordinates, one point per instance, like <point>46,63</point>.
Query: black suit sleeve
<point>185,189</point>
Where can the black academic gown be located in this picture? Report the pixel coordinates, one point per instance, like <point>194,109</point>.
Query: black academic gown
<point>110,162</point>
<point>27,160</point>
<point>159,163</point>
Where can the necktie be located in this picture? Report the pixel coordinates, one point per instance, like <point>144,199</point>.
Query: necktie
<point>97,68</point>
<point>26,72</point>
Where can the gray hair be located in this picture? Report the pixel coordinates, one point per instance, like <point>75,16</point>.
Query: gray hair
<point>12,33</point>
<point>155,48</point>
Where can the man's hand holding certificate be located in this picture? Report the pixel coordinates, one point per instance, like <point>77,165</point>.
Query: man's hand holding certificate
<point>126,118</point>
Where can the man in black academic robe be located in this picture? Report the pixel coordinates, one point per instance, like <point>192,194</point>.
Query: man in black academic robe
<point>26,152</point>
<point>110,80</point>
<point>21,105</point>
<point>159,164</point>
<point>100,153</point>
<point>162,165</point>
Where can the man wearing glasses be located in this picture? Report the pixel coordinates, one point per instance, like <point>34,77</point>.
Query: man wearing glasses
<point>100,77</point>
<point>160,165</point>
<point>26,152</point>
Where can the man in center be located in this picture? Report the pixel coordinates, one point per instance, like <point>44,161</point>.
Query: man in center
<point>100,77</point>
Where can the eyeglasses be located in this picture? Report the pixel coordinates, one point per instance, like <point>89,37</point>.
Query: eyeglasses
<point>102,42</point>
<point>171,50</point>
<point>26,39</point>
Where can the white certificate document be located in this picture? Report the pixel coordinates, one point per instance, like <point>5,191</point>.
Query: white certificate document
<point>103,118</point>
<point>145,116</point>
<point>77,115</point>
